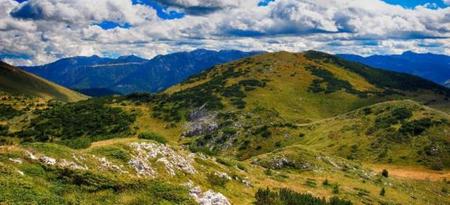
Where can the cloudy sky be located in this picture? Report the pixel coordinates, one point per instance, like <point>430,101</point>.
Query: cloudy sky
<point>41,31</point>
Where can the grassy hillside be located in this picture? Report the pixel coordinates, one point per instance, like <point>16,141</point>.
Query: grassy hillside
<point>126,172</point>
<point>278,128</point>
<point>302,87</point>
<point>17,82</point>
<point>255,105</point>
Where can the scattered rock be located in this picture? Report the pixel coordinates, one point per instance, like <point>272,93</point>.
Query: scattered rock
<point>71,165</point>
<point>106,164</point>
<point>47,160</point>
<point>20,172</point>
<point>141,167</point>
<point>213,198</point>
<point>247,182</point>
<point>222,175</point>
<point>31,155</point>
<point>17,161</point>
<point>207,198</point>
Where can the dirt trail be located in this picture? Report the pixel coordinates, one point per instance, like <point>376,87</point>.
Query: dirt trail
<point>416,173</point>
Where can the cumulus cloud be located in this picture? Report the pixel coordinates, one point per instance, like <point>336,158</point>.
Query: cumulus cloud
<point>202,7</point>
<point>40,31</point>
<point>81,11</point>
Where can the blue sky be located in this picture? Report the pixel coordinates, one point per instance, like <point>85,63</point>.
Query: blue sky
<point>41,31</point>
<point>414,3</point>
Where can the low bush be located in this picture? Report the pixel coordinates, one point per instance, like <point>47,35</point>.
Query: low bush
<point>385,173</point>
<point>7,112</point>
<point>416,127</point>
<point>289,197</point>
<point>4,129</point>
<point>216,180</point>
<point>152,136</point>
<point>78,124</point>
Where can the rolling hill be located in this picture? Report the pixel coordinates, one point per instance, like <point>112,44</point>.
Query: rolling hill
<point>128,74</point>
<point>430,66</point>
<point>17,82</point>
<point>263,101</point>
<point>301,126</point>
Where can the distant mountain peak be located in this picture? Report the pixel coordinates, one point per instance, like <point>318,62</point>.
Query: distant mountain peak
<point>131,58</point>
<point>434,67</point>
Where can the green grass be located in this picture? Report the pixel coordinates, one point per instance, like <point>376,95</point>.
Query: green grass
<point>18,82</point>
<point>152,136</point>
<point>285,121</point>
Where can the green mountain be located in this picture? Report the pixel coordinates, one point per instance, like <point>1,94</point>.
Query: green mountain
<point>276,128</point>
<point>17,82</point>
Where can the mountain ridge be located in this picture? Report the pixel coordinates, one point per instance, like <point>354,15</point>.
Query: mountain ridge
<point>434,67</point>
<point>127,74</point>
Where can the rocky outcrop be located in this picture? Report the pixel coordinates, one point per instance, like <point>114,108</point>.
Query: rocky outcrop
<point>147,152</point>
<point>207,198</point>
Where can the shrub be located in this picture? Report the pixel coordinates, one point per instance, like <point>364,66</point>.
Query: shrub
<point>287,196</point>
<point>263,131</point>
<point>311,183</point>
<point>7,112</point>
<point>4,130</point>
<point>328,83</point>
<point>75,124</point>
<point>241,166</point>
<point>385,173</point>
<point>336,189</point>
<point>223,161</point>
<point>152,136</point>
<point>216,180</point>
<point>401,113</point>
<point>163,192</point>
<point>115,152</point>
<point>78,143</point>
<point>325,182</point>
<point>416,127</point>
<point>382,192</point>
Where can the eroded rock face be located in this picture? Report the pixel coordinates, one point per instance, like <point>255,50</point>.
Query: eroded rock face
<point>159,153</point>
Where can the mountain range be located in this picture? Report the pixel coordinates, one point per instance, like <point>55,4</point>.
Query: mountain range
<point>430,66</point>
<point>97,76</point>
<point>127,74</point>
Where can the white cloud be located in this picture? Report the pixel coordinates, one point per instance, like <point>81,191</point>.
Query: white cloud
<point>46,30</point>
